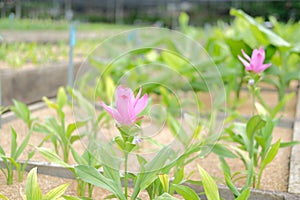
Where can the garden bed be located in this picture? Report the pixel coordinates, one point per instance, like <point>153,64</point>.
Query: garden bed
<point>31,84</point>
<point>275,181</point>
<point>244,155</point>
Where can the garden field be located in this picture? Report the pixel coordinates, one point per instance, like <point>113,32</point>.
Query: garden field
<point>196,113</point>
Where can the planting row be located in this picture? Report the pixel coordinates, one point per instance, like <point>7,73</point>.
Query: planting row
<point>105,149</point>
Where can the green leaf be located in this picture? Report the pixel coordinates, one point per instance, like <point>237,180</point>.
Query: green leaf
<point>185,191</point>
<point>13,142</point>
<point>178,131</point>
<point>3,197</point>
<point>92,176</point>
<point>110,87</point>
<point>15,163</point>
<point>61,98</point>
<point>56,192</point>
<point>22,111</point>
<point>75,138</point>
<point>254,124</point>
<point>288,144</point>
<point>179,175</point>
<point>79,159</point>
<point>221,150</point>
<point>250,174</point>
<point>142,161</point>
<point>173,60</point>
<point>73,126</point>
<point>50,155</point>
<point>244,195</point>
<point>165,196</point>
<point>22,146</point>
<point>227,174</point>
<point>149,172</point>
<point>75,198</point>
<point>50,104</point>
<point>236,46</point>
<point>210,187</point>
<point>82,102</point>
<point>271,154</point>
<point>280,105</point>
<point>272,37</point>
<point>184,21</point>
<point>154,189</point>
<point>164,179</point>
<point>33,191</point>
<point>111,164</point>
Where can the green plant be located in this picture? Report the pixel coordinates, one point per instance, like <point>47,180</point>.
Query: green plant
<point>255,149</point>
<point>146,178</point>
<point>61,133</point>
<point>11,161</point>
<point>283,54</point>
<point>87,158</point>
<point>33,191</point>
<point>210,187</point>
<point>87,114</point>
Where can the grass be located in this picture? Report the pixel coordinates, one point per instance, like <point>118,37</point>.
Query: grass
<point>18,54</point>
<point>58,25</point>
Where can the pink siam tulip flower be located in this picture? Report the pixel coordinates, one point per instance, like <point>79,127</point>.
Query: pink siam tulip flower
<point>127,106</point>
<point>255,63</point>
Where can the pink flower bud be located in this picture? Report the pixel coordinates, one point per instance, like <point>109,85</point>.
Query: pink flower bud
<point>255,63</point>
<point>127,106</point>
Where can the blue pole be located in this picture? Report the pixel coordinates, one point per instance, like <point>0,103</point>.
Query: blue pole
<point>72,41</point>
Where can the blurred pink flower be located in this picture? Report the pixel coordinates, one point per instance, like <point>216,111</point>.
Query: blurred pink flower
<point>127,106</point>
<point>255,63</point>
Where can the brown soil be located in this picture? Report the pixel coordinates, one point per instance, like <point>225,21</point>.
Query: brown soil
<point>275,176</point>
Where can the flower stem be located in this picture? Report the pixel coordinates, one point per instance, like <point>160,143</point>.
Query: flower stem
<point>259,177</point>
<point>10,175</point>
<point>253,99</point>
<point>126,175</point>
<point>253,103</point>
<point>90,190</point>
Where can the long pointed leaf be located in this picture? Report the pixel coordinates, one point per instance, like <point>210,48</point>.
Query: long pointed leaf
<point>271,154</point>
<point>33,191</point>
<point>22,146</point>
<point>3,197</point>
<point>13,142</point>
<point>244,195</point>
<point>92,176</point>
<point>50,155</point>
<point>210,187</point>
<point>186,192</point>
<point>56,192</point>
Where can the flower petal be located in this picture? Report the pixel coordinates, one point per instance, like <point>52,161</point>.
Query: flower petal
<point>109,109</point>
<point>121,119</point>
<point>245,55</point>
<point>141,104</point>
<point>245,63</point>
<point>263,67</point>
<point>262,52</point>
<point>137,97</point>
<point>257,60</point>
<point>123,97</point>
